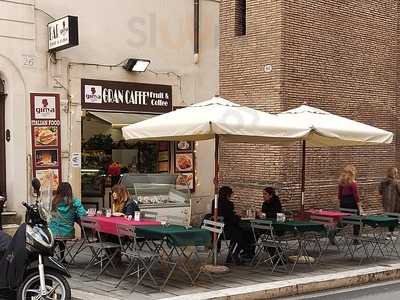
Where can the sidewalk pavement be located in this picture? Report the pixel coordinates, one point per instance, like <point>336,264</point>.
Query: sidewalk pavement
<point>243,282</point>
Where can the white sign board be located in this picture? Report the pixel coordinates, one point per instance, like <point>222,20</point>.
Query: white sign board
<point>63,33</point>
<point>76,160</point>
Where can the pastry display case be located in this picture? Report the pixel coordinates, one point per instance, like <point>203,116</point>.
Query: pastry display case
<point>160,193</point>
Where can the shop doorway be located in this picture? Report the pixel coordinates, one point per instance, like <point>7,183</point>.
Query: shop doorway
<point>2,141</point>
<point>106,155</point>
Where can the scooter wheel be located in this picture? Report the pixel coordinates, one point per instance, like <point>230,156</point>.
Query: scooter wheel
<point>30,287</point>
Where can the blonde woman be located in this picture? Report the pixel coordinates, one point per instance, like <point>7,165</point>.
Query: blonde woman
<point>122,202</point>
<point>389,189</point>
<point>348,192</point>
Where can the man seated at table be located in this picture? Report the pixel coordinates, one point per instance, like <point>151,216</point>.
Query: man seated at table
<point>240,238</point>
<point>271,205</point>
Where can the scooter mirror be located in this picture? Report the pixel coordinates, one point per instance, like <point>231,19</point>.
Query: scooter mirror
<point>36,186</point>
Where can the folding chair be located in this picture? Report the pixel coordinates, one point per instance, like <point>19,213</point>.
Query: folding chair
<point>102,252</point>
<point>214,228</point>
<point>268,249</point>
<point>330,226</point>
<point>139,261</point>
<point>356,243</point>
<point>394,235</point>
<point>69,245</point>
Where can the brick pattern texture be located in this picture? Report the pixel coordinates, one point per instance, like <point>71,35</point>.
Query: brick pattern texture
<point>340,56</point>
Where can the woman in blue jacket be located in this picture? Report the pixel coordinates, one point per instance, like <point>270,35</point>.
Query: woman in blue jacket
<point>66,210</point>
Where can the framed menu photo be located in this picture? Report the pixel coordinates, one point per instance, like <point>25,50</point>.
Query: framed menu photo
<point>46,158</point>
<point>45,136</point>
<point>184,162</point>
<point>186,179</point>
<point>183,146</point>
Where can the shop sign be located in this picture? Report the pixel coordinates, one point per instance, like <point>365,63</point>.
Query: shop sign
<point>46,139</point>
<point>63,33</point>
<point>125,96</point>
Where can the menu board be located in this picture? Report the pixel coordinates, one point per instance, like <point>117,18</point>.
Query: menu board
<point>185,163</point>
<point>46,138</point>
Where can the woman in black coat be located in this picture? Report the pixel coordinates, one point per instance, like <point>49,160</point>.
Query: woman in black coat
<point>238,236</point>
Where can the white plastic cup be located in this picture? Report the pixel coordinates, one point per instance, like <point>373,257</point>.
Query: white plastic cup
<point>137,215</point>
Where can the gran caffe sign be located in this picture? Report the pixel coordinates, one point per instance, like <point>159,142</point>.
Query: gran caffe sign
<point>125,96</point>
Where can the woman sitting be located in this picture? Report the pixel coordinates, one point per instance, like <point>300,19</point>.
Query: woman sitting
<point>240,238</point>
<point>66,210</point>
<point>271,205</point>
<point>122,202</point>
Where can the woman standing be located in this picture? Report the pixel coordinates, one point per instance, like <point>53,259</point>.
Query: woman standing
<point>348,192</point>
<point>66,210</point>
<point>389,189</point>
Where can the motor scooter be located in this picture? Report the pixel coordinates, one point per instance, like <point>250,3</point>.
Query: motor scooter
<point>28,270</point>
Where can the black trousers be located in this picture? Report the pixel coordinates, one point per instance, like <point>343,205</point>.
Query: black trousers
<point>350,203</point>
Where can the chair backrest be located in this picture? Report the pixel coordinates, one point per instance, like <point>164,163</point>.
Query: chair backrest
<point>327,221</point>
<point>152,215</point>
<point>91,226</point>
<point>353,220</point>
<point>349,210</point>
<point>128,231</point>
<point>212,226</point>
<point>262,226</point>
<point>393,215</point>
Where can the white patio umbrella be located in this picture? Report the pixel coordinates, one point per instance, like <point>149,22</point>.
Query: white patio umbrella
<point>213,119</point>
<point>327,129</point>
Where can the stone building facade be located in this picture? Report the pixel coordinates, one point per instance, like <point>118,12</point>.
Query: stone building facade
<point>340,56</point>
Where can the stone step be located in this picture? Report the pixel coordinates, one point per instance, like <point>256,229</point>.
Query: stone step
<point>10,228</point>
<point>10,217</point>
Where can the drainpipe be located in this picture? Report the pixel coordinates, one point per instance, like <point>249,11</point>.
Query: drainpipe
<point>196,31</point>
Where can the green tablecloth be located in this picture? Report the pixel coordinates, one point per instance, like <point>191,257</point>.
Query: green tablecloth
<point>176,235</point>
<point>291,226</point>
<point>298,226</point>
<point>380,221</point>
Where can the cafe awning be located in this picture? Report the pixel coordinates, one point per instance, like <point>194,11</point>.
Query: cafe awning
<point>119,120</point>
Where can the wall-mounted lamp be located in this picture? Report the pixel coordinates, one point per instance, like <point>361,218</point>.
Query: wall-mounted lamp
<point>136,65</point>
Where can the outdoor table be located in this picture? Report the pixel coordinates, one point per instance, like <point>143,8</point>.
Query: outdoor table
<point>109,224</point>
<point>379,237</point>
<point>178,238</point>
<point>376,220</point>
<point>300,230</point>
<point>334,214</point>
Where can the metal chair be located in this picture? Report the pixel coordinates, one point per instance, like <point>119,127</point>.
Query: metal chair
<point>268,249</point>
<point>329,235</point>
<point>102,252</point>
<point>356,243</point>
<point>139,261</point>
<point>214,228</point>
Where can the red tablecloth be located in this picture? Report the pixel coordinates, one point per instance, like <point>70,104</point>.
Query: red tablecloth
<point>109,225</point>
<point>337,215</point>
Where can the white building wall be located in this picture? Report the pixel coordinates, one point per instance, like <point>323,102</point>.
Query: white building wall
<point>109,32</point>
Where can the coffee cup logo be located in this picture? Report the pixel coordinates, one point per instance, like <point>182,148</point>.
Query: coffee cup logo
<point>45,108</point>
<point>93,94</point>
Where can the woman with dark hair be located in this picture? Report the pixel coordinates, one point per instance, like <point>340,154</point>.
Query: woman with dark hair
<point>65,210</point>
<point>240,241</point>
<point>271,205</point>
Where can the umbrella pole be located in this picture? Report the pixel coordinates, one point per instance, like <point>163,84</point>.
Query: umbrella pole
<point>303,176</point>
<point>216,170</point>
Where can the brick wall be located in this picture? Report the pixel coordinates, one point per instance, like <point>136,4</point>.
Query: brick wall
<point>340,56</point>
